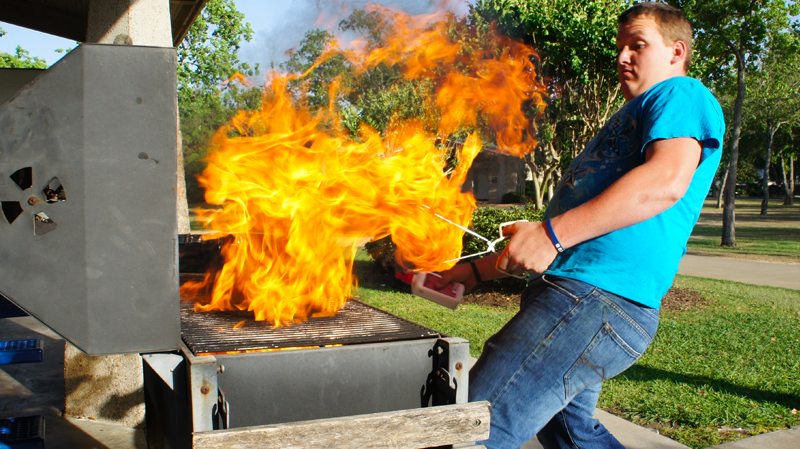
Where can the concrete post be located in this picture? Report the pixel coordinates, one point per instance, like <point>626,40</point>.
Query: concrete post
<point>145,22</point>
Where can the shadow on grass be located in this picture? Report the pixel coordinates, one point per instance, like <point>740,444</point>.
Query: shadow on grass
<point>638,373</point>
<point>749,211</point>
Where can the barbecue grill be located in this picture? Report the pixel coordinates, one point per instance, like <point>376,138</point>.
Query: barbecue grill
<point>88,154</point>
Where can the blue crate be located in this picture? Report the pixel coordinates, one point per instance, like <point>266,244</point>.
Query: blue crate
<point>22,433</point>
<point>20,351</point>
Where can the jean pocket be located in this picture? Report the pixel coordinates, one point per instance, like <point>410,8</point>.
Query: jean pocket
<point>607,355</point>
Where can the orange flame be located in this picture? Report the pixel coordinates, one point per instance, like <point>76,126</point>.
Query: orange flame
<point>299,194</point>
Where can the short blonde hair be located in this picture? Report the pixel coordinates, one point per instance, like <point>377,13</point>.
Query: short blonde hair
<point>672,24</point>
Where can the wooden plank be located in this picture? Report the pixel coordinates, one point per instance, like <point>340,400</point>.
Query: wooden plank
<point>404,429</point>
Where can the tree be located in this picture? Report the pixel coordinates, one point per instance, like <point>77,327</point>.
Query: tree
<point>773,100</point>
<point>207,58</point>
<point>209,53</point>
<point>731,36</point>
<point>21,59</point>
<point>314,86</point>
<point>576,41</point>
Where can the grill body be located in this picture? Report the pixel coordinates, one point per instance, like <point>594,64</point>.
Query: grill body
<point>348,375</point>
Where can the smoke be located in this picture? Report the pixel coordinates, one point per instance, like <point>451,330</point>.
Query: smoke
<point>280,26</point>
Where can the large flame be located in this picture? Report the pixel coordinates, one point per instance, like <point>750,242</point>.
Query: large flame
<point>298,193</point>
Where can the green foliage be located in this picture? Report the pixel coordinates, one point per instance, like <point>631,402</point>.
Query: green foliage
<point>208,55</point>
<point>374,97</point>
<point>514,197</point>
<point>486,222</point>
<point>727,31</point>
<point>200,119</point>
<point>576,41</point>
<point>20,59</point>
<point>207,58</point>
<point>315,86</point>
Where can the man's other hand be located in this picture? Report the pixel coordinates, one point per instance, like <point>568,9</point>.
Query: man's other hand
<point>529,250</point>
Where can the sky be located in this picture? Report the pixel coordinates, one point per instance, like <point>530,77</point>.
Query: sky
<point>279,25</point>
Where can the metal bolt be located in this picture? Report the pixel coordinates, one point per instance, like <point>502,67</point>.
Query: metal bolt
<point>459,365</point>
<point>221,369</point>
<point>33,201</point>
<point>204,389</point>
<point>477,422</point>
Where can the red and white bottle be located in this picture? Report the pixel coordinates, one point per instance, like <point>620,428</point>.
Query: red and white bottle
<point>424,286</point>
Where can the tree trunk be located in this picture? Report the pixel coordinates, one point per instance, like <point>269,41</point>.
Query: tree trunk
<point>765,179</point>
<point>721,192</point>
<point>729,208</point>
<point>789,183</point>
<point>537,184</point>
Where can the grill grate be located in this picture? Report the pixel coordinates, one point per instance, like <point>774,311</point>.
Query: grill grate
<point>355,323</point>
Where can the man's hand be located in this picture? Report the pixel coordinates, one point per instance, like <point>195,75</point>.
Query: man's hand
<point>529,250</point>
<point>464,274</point>
<point>461,273</point>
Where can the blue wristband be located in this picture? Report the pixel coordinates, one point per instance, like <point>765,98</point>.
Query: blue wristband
<point>552,234</point>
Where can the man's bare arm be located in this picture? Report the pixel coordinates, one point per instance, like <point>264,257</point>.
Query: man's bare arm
<point>641,194</point>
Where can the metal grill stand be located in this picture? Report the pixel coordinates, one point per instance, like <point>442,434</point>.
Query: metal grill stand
<point>361,362</point>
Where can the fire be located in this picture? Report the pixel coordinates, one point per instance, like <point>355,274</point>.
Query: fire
<point>299,193</point>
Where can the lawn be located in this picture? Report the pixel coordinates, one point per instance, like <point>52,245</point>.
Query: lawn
<point>772,237</point>
<point>715,373</point>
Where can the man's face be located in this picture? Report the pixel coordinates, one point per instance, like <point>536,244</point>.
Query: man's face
<point>644,59</point>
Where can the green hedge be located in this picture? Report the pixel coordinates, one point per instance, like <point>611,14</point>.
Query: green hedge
<point>486,222</point>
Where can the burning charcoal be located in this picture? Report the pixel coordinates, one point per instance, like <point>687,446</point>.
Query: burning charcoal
<point>54,191</point>
<point>42,224</point>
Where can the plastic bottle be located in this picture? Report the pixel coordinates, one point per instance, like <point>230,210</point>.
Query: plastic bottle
<point>423,285</point>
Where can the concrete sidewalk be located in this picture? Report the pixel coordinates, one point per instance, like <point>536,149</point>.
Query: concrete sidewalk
<point>772,274</point>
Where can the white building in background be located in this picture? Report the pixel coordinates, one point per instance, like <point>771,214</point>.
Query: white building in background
<point>494,174</point>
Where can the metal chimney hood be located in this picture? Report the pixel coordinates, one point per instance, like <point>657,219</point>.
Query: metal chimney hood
<point>88,229</point>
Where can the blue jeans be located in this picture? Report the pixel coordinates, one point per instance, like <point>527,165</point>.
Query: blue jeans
<point>542,372</point>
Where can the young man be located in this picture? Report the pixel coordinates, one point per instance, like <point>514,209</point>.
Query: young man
<point>608,249</point>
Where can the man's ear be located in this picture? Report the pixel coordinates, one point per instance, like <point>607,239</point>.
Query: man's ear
<point>678,52</point>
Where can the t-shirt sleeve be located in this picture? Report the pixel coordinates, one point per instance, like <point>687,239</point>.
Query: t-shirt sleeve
<point>682,107</point>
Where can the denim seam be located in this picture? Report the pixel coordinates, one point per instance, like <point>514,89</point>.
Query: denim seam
<point>567,292</point>
<point>567,430</point>
<point>598,337</point>
<point>624,315</point>
<point>623,344</point>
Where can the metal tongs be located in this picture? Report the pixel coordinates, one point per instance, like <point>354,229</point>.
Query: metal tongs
<point>490,244</point>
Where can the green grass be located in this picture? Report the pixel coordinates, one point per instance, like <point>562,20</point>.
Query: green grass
<point>775,236</point>
<point>734,364</point>
<point>474,323</point>
<point>710,368</point>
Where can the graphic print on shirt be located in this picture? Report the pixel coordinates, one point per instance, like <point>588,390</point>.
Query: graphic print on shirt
<point>614,151</point>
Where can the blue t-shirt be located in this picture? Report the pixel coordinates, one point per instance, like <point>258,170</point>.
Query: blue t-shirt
<point>639,262</point>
